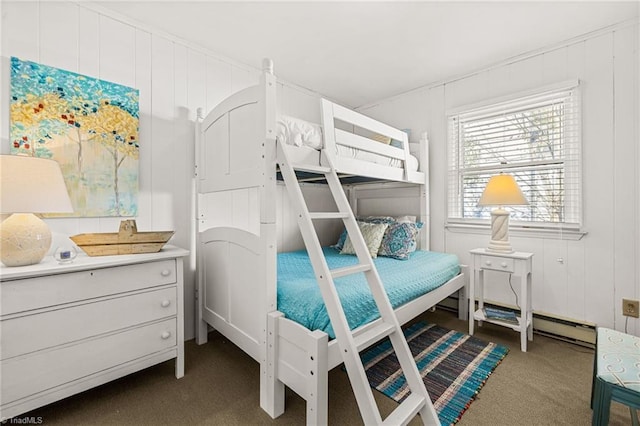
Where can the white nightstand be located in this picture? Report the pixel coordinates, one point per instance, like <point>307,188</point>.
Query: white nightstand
<point>516,263</point>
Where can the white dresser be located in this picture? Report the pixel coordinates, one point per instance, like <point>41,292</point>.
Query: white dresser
<point>67,328</point>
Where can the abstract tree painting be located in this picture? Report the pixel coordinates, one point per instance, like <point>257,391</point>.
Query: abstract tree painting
<point>89,126</point>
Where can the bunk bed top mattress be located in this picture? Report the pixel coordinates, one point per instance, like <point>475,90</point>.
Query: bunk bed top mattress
<point>300,300</point>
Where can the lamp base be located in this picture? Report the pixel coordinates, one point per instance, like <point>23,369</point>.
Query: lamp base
<point>24,239</point>
<point>499,247</point>
<point>500,232</point>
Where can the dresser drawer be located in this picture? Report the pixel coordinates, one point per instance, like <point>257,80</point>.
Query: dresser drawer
<point>33,293</point>
<point>25,376</point>
<point>497,263</point>
<point>59,326</point>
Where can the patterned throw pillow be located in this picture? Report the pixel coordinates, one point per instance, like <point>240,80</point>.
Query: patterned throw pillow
<point>372,233</point>
<point>371,219</point>
<point>400,240</point>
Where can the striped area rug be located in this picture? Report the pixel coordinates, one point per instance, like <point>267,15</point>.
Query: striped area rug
<point>454,367</point>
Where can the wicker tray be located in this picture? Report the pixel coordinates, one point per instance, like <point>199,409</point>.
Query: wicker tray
<point>126,241</point>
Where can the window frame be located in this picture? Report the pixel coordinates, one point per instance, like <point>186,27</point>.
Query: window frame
<point>570,230</point>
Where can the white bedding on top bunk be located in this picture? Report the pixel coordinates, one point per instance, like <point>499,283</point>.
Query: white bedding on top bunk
<point>301,133</point>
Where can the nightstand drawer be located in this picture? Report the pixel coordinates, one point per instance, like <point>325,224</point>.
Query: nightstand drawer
<point>33,293</point>
<point>59,326</point>
<point>25,376</point>
<point>497,263</point>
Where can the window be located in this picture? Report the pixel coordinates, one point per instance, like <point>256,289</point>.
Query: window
<point>534,137</point>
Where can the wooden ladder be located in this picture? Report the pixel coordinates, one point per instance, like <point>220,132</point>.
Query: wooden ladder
<point>351,343</point>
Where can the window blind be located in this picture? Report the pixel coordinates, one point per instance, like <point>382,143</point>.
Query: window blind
<point>536,138</point>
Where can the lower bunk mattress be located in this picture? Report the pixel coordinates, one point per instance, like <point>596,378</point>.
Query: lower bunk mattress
<point>300,300</point>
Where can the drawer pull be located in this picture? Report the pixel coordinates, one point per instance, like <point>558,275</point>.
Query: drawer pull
<point>165,303</point>
<point>488,262</point>
<point>504,264</point>
<point>165,272</point>
<point>165,335</point>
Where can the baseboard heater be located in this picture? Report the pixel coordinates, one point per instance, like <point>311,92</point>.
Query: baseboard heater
<point>568,330</point>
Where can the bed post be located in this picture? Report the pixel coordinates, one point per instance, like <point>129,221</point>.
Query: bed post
<point>201,325</point>
<point>318,390</point>
<point>271,389</point>
<point>425,193</point>
<point>267,66</point>
<point>463,294</point>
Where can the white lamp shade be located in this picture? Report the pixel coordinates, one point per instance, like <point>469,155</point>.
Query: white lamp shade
<point>32,185</point>
<point>502,190</point>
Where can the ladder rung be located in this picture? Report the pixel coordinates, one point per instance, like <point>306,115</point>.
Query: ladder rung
<point>406,411</point>
<point>311,168</point>
<point>373,335</point>
<point>329,215</point>
<point>350,270</point>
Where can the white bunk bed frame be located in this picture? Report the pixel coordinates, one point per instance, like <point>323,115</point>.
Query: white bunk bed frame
<point>236,150</point>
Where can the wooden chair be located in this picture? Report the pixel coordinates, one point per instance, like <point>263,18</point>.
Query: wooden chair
<point>616,375</point>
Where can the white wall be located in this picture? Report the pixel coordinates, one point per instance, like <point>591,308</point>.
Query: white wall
<point>586,279</point>
<point>174,80</point>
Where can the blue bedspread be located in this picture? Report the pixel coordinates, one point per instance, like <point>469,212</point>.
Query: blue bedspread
<point>300,300</point>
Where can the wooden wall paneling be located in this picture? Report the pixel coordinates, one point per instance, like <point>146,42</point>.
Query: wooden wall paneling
<point>300,104</point>
<point>536,246</point>
<point>89,43</point>
<point>550,291</point>
<point>143,83</point>
<point>163,170</point>
<point>526,74</point>
<point>554,66</point>
<point>394,112</point>
<point>183,206</point>
<point>21,28</point>
<point>117,52</point>
<point>576,307</point>
<point>438,167</point>
<point>218,82</point>
<point>59,35</point>
<point>460,243</point>
<point>468,91</point>
<point>196,78</point>
<point>499,82</point>
<point>575,263</point>
<point>182,147</point>
<point>625,173</point>
<point>241,78</point>
<point>598,171</point>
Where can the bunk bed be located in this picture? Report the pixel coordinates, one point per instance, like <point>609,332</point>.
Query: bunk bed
<point>240,271</point>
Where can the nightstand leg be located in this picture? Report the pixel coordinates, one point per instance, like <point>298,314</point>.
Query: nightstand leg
<point>524,311</point>
<point>529,308</point>
<point>480,293</point>
<point>472,299</point>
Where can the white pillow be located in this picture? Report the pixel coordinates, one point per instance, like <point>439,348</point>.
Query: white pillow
<point>295,131</point>
<point>406,219</point>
